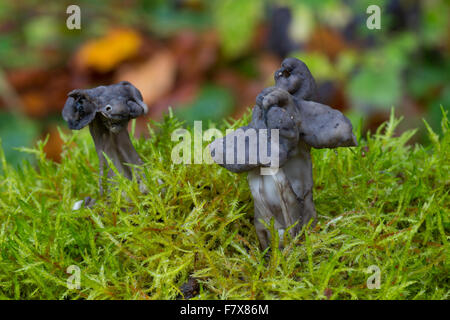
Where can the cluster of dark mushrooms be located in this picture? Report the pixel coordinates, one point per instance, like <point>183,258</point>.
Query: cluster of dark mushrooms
<point>290,107</point>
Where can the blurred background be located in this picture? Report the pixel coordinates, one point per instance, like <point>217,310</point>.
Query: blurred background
<point>208,59</point>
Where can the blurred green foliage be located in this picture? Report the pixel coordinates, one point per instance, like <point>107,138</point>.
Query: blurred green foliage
<point>235,22</point>
<point>213,103</point>
<point>16,131</point>
<point>405,64</point>
<point>379,80</point>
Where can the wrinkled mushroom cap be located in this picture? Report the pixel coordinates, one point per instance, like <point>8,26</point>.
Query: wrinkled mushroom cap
<point>116,103</point>
<point>295,77</point>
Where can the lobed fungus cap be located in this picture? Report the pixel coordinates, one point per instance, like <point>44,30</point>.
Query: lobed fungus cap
<point>117,103</point>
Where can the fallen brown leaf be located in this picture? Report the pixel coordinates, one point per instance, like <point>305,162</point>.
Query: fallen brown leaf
<point>154,78</point>
<point>53,147</point>
<point>105,53</point>
<point>328,41</point>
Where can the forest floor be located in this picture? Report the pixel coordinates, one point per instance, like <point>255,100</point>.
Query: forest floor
<point>383,211</point>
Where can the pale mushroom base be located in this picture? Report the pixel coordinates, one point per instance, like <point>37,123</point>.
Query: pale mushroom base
<point>286,196</point>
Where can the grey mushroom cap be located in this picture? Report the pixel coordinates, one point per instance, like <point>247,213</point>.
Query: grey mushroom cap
<point>117,103</point>
<point>317,125</point>
<point>325,127</point>
<point>295,77</point>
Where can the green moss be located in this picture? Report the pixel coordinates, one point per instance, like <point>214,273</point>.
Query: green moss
<point>383,203</point>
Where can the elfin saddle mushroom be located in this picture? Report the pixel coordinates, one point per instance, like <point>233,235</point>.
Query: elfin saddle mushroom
<point>292,123</point>
<point>107,110</point>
